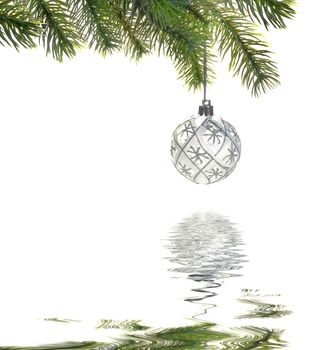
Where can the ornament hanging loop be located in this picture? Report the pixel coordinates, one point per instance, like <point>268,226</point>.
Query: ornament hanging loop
<point>206,108</point>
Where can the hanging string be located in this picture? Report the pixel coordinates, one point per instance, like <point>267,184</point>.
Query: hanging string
<point>206,108</point>
<point>205,75</point>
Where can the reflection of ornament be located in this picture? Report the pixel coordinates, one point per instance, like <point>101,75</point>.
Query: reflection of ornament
<point>205,149</point>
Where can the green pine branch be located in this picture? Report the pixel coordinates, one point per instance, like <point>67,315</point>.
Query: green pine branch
<point>248,53</point>
<point>60,35</point>
<point>266,12</point>
<point>181,36</point>
<point>131,30</point>
<point>17,27</point>
<point>183,30</point>
<point>97,25</point>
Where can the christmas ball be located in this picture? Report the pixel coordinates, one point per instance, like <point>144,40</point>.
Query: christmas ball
<point>205,149</point>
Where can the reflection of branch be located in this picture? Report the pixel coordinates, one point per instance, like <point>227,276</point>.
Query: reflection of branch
<point>262,309</point>
<point>206,250</point>
<point>198,336</point>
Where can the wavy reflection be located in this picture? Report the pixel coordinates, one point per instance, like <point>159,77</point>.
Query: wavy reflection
<point>198,336</point>
<point>207,248</point>
<point>260,307</point>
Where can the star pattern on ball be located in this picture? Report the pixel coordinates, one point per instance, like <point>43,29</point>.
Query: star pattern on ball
<point>217,173</point>
<point>185,171</point>
<point>197,155</point>
<point>231,130</point>
<point>232,156</point>
<point>173,149</point>
<point>187,131</point>
<point>213,134</point>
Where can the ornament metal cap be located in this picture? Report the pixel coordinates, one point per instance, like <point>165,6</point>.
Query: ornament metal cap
<point>206,109</point>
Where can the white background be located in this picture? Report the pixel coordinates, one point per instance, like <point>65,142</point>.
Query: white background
<point>87,188</point>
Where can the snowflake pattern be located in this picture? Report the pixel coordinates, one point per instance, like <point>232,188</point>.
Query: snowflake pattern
<point>197,155</point>
<point>173,149</point>
<point>232,156</point>
<point>213,134</point>
<point>232,131</point>
<point>217,173</point>
<point>188,130</point>
<point>185,171</point>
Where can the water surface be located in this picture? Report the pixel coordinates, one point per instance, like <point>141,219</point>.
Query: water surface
<point>206,249</point>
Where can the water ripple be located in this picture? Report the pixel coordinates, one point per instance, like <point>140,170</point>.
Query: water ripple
<point>198,336</point>
<point>204,248</point>
<point>260,307</point>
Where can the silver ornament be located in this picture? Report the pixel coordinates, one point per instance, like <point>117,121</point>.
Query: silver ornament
<point>205,149</point>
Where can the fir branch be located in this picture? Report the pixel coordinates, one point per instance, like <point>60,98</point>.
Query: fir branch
<point>97,25</point>
<point>266,12</point>
<point>249,54</point>
<point>60,36</point>
<point>131,31</point>
<point>180,36</point>
<point>195,8</point>
<point>17,27</point>
<point>183,30</point>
